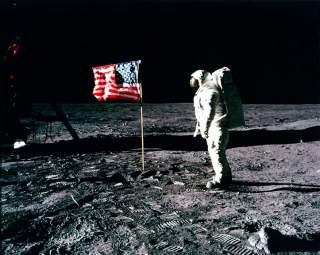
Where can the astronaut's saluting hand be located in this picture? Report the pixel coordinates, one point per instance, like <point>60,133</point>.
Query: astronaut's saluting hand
<point>211,114</point>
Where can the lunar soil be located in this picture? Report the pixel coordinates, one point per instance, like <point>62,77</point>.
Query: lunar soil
<point>90,196</point>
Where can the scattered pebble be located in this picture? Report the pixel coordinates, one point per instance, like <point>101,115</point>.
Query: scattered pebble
<point>178,183</point>
<point>156,187</point>
<point>50,177</point>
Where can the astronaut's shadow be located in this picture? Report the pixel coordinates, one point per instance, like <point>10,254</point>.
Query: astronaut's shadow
<point>264,187</point>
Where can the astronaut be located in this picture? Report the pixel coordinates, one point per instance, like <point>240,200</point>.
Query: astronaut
<point>212,121</point>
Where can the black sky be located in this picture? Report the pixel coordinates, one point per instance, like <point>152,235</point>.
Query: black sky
<point>272,47</point>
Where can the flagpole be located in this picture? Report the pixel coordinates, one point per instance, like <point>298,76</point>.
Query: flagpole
<point>141,122</point>
<point>142,134</point>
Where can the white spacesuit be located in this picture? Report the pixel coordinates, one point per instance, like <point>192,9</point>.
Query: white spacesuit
<point>211,115</point>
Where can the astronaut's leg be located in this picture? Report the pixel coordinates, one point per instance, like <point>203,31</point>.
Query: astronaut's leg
<point>217,143</point>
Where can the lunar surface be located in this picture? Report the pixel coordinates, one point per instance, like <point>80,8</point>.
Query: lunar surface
<point>90,196</point>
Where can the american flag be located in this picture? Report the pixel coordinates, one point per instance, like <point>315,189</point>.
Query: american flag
<point>117,81</point>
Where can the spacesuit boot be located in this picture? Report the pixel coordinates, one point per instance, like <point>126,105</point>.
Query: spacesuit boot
<point>217,142</point>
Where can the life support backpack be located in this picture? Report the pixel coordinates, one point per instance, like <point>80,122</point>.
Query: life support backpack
<point>231,97</point>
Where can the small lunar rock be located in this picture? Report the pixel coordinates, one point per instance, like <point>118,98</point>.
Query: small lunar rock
<point>147,174</point>
<point>54,176</point>
<point>156,187</point>
<point>242,210</point>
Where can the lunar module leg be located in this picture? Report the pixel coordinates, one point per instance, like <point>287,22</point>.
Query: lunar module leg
<point>62,117</point>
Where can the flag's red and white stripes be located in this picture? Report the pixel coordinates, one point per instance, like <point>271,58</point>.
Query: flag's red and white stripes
<point>107,88</point>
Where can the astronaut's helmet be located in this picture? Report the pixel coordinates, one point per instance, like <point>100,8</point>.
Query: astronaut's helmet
<point>199,77</point>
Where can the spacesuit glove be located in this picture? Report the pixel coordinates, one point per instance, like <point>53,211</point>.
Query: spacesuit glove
<point>204,134</point>
<point>196,132</point>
